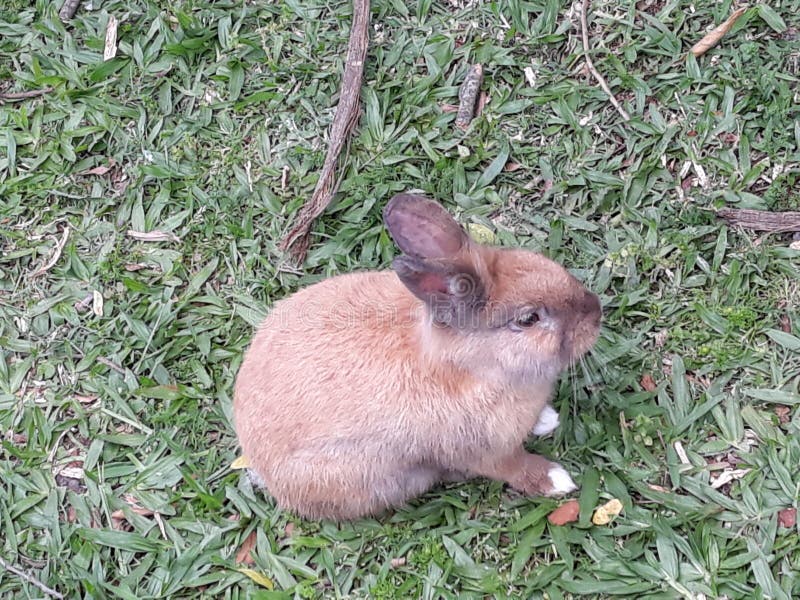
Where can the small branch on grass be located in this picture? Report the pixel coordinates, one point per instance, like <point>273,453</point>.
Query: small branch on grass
<point>343,123</point>
<point>14,96</point>
<point>68,9</point>
<point>114,367</point>
<point>761,220</point>
<point>590,65</point>
<point>30,579</point>
<point>56,254</point>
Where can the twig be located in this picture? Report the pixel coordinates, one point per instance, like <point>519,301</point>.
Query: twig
<point>68,9</point>
<point>104,361</point>
<point>56,254</point>
<point>590,65</point>
<point>761,220</point>
<point>30,579</point>
<point>343,123</point>
<point>13,96</point>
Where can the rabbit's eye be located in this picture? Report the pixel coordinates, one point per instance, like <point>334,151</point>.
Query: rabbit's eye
<point>525,321</point>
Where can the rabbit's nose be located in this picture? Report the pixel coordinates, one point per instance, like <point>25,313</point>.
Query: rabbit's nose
<point>590,306</point>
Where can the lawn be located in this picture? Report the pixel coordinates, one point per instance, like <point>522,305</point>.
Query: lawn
<point>207,131</point>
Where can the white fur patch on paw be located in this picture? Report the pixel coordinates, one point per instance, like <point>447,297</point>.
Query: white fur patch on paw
<point>562,482</point>
<point>548,421</point>
<point>255,479</point>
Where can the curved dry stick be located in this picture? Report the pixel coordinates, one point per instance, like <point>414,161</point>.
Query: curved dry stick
<point>343,123</point>
<point>590,65</point>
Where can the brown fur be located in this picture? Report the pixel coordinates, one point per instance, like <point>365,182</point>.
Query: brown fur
<point>353,398</point>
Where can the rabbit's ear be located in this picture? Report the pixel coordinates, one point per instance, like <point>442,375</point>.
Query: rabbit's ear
<point>452,291</point>
<point>423,228</point>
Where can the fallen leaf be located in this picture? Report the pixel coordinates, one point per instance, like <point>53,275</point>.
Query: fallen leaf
<point>260,579</point>
<point>84,399</point>
<point>240,463</point>
<point>679,450</point>
<point>110,47</point>
<point>785,323</point>
<point>480,233</point>
<point>604,514</point>
<point>483,100</point>
<point>101,170</point>
<point>787,517</point>
<point>713,37</point>
<point>566,513</point>
<point>727,476</point>
<point>783,414</point>
<point>512,166</point>
<point>119,514</point>
<point>795,245</point>
<point>153,236</point>
<point>398,562</point>
<point>133,267</point>
<point>244,556</point>
<point>97,303</point>
<point>288,530</point>
<point>648,383</point>
<point>449,108</point>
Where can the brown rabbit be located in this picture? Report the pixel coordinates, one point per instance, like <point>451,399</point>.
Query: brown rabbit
<point>364,390</point>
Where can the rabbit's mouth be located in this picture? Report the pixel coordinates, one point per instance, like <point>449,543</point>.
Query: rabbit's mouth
<point>583,332</point>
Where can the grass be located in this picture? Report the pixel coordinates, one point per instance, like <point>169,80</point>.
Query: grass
<point>115,418</point>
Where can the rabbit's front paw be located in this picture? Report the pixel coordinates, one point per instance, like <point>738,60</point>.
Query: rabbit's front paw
<point>548,421</point>
<point>561,482</point>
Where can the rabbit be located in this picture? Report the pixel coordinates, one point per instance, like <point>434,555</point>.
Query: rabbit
<point>364,390</point>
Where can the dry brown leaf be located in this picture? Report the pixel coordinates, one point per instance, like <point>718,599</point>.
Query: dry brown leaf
<point>512,166</point>
<point>398,562</point>
<point>119,514</point>
<point>153,236</point>
<point>648,383</point>
<point>85,399</point>
<point>133,267</point>
<point>566,513</point>
<point>604,514</point>
<point>713,37</point>
<point>110,48</point>
<point>483,100</point>
<point>449,108</point>
<point>787,517</point>
<point>288,530</point>
<point>101,170</point>
<point>783,414</point>
<point>244,555</point>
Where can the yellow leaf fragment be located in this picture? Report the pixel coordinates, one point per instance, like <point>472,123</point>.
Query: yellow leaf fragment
<point>609,510</point>
<point>260,579</point>
<point>241,463</point>
<point>480,233</point>
<point>713,37</point>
